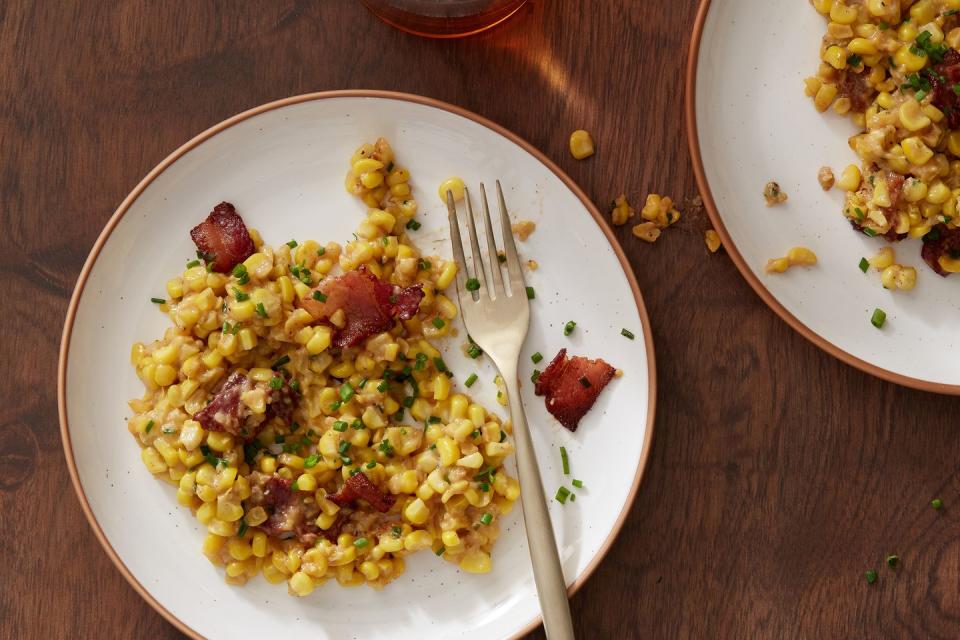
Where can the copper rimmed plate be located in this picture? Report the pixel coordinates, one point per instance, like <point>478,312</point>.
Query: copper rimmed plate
<point>283,164</point>
<point>748,122</point>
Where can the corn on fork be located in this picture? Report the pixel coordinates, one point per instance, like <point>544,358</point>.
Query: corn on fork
<point>496,313</point>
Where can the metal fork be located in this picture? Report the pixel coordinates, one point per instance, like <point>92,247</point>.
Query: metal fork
<point>496,313</point>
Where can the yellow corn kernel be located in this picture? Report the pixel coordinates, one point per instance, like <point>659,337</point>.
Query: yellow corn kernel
<point>842,106</point>
<point>912,117</point>
<point>898,277</point>
<point>948,264</point>
<point>712,240</point>
<point>259,544</point>
<point>164,375</point>
<point>416,512</point>
<point>471,461</point>
<point>862,46</point>
<point>850,178</point>
<point>307,482</point>
<point>268,464</point>
<point>152,460</point>
<point>882,259</point>
<point>212,545</point>
<point>454,185</point>
<point>476,561</point>
<point>441,387</point>
<point>646,231</point>
<point>581,144</point>
<point>239,549</point>
<point>953,38</point>
<point>911,61</point>
<point>449,451</point>
<point>938,193</point>
<point>824,98</point>
<point>923,12</point>
<point>366,165</point>
<point>175,288</point>
<point>801,256</point>
<point>300,584</point>
<point>823,6</point>
<point>417,540</point>
<point>916,151</point>
<point>206,512</point>
<point>320,340</point>
<point>450,539</point>
<point>219,441</point>
<point>836,57</point>
<point>932,112</point>
<point>777,265</point>
<point>914,190</point>
<point>242,311</point>
<point>811,86</point>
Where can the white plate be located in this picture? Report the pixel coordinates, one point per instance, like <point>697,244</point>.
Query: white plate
<point>747,108</point>
<point>282,165</point>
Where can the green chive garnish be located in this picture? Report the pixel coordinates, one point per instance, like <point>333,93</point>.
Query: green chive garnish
<point>240,296</point>
<point>537,357</point>
<point>261,311</point>
<point>243,528</point>
<point>319,297</point>
<point>531,294</point>
<point>413,225</point>
<point>335,406</point>
<point>470,380</point>
<point>486,518</point>
<point>474,351</point>
<point>565,460</point>
<point>535,375</point>
<point>294,487</point>
<point>871,576</point>
<point>346,392</point>
<point>149,427</point>
<point>158,301</point>
<point>627,333</point>
<point>870,232</point>
<point>562,494</point>
<point>864,264</point>
<point>473,284</point>
<point>193,263</point>
<point>878,318</point>
<point>893,561</point>
<point>279,362</point>
<point>276,382</point>
<point>438,322</point>
<point>343,447</point>
<point>936,503</point>
<point>311,461</point>
<point>569,327</point>
<point>440,364</point>
<point>372,464</point>
<point>441,550</point>
<point>577,483</point>
<point>360,543</point>
<point>340,425</point>
<point>292,244</point>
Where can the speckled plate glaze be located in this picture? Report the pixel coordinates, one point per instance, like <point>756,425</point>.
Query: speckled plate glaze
<point>282,165</point>
<point>749,122</point>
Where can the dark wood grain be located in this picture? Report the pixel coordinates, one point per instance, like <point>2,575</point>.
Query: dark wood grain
<point>778,475</point>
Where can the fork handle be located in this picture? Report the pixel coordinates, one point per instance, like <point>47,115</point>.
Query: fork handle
<point>547,571</point>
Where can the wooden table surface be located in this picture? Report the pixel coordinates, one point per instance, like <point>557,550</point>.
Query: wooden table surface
<point>778,475</point>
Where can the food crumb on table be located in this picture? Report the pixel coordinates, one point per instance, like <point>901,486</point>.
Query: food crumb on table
<point>773,194</point>
<point>826,178</point>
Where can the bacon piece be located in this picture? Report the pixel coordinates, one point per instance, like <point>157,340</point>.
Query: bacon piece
<point>370,305</point>
<point>856,87</point>
<point>568,397</point>
<point>359,486</point>
<point>281,403</point>
<point>942,80</point>
<point>226,412</point>
<point>940,241</point>
<point>223,238</point>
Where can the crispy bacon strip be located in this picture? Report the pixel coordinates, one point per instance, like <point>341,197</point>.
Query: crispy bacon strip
<point>223,238</point>
<point>226,412</point>
<point>940,241</point>
<point>942,80</point>
<point>856,87</point>
<point>359,486</point>
<point>370,305</point>
<point>287,511</point>
<point>571,386</point>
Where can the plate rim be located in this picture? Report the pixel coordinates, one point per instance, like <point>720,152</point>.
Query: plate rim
<point>693,144</point>
<point>209,133</point>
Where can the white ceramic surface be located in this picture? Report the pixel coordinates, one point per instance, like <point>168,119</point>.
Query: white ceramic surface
<point>284,169</point>
<point>754,125</point>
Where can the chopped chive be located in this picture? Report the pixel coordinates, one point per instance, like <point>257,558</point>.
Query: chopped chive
<point>475,433</point>
<point>149,427</point>
<point>501,257</point>
<point>385,241</point>
<point>473,284</point>
<point>357,424</point>
<point>577,483</point>
<point>440,364</point>
<point>562,494</point>
<point>261,311</point>
<point>434,420</point>
<point>864,264</point>
<point>569,327</point>
<point>438,322</point>
<point>408,401</point>
<point>343,447</point>
<point>531,294</point>
<point>243,528</point>
<point>372,464</point>
<point>294,486</point>
<point>878,318</point>
<point>395,531</point>
<point>441,550</point>
<point>565,460</point>
<point>158,301</point>
<point>871,576</point>
<point>474,351</point>
<point>421,361</point>
<point>383,386</point>
<point>319,297</point>
<point>360,543</point>
<point>870,232</point>
<point>193,263</point>
<point>321,251</point>
<point>335,406</point>
<point>627,334</point>
<point>311,461</point>
<point>535,375</point>
<point>292,244</point>
<point>584,382</point>
<point>362,383</point>
<point>936,503</point>
<point>346,392</point>
<point>385,447</point>
<point>486,518</point>
<point>424,265</point>
<point>537,357</point>
<point>893,561</point>
<point>347,460</point>
<point>398,416</point>
<point>485,487</point>
<point>503,436</point>
<point>279,439</point>
<point>470,380</point>
<point>240,296</point>
<point>276,382</point>
<point>340,425</point>
<point>854,60</point>
<point>279,362</point>
<point>413,225</point>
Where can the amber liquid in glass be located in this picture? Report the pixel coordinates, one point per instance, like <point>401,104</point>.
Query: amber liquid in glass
<point>443,18</point>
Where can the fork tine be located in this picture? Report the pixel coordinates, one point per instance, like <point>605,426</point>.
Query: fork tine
<point>517,285</point>
<point>457,247</point>
<point>497,285</point>
<point>474,245</point>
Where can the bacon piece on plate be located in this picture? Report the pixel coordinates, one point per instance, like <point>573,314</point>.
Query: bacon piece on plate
<point>226,412</point>
<point>369,305</point>
<point>942,80</point>
<point>571,386</point>
<point>940,241</point>
<point>359,486</point>
<point>223,238</point>
<point>286,509</point>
